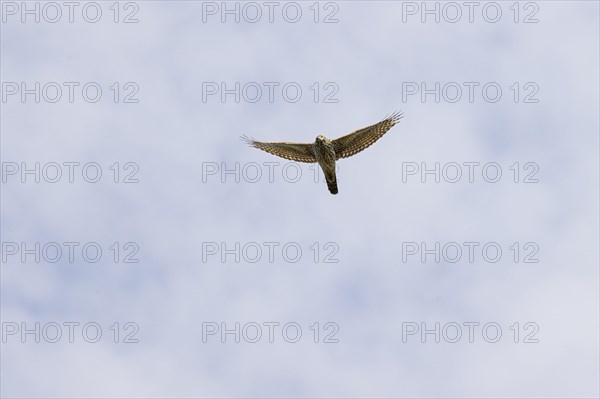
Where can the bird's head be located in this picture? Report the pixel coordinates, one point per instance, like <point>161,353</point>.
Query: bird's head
<point>320,138</point>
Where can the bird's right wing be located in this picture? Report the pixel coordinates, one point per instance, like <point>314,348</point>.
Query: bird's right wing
<point>358,140</point>
<point>293,151</point>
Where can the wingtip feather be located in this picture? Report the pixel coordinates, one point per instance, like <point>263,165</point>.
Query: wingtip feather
<point>395,117</point>
<point>248,140</point>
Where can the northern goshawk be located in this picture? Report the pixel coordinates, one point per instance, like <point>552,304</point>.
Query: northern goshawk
<point>325,151</point>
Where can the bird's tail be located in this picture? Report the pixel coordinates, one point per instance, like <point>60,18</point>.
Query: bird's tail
<point>332,185</point>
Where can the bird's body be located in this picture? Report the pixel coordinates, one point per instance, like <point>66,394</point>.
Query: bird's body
<point>325,152</point>
<point>325,156</point>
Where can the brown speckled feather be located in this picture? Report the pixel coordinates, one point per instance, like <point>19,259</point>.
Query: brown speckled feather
<point>357,141</point>
<point>294,151</point>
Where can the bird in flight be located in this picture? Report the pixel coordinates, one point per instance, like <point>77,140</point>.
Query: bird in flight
<point>326,151</point>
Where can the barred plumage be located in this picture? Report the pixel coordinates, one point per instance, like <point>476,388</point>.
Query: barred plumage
<point>325,155</point>
<point>325,151</point>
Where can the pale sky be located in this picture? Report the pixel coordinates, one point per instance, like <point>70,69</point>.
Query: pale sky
<point>229,239</point>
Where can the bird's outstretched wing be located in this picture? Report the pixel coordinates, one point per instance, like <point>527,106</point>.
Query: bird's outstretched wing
<point>294,151</point>
<point>357,141</point>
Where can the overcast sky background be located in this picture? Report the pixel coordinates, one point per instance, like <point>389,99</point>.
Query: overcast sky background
<point>173,135</point>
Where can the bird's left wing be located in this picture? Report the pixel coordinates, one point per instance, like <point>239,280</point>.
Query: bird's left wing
<point>357,141</point>
<point>294,151</point>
